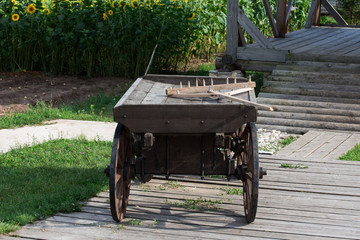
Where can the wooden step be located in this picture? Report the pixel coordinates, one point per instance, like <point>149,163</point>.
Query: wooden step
<point>312,92</point>
<point>324,111</point>
<point>309,74</point>
<point>315,86</point>
<point>309,98</point>
<point>322,69</point>
<point>314,79</point>
<point>308,104</point>
<point>309,124</point>
<point>311,116</point>
<point>287,129</point>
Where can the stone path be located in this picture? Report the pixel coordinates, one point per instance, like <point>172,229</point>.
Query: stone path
<point>12,138</point>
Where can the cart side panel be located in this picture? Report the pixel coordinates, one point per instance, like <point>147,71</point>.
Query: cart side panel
<point>184,156</point>
<point>220,118</point>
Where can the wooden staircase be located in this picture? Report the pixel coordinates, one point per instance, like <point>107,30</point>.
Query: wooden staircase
<point>308,95</point>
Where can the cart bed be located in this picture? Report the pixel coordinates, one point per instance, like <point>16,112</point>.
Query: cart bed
<point>145,107</point>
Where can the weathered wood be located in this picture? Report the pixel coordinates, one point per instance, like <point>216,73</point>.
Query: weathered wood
<point>288,10</point>
<point>216,87</point>
<point>259,106</point>
<point>261,54</point>
<point>338,18</point>
<point>312,13</point>
<point>241,37</point>
<point>281,17</point>
<point>271,18</point>
<point>252,30</point>
<point>232,28</point>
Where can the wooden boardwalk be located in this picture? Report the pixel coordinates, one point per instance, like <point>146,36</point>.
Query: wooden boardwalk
<point>320,145</point>
<point>321,201</point>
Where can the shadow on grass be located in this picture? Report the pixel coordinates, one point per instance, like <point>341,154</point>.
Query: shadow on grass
<point>32,193</point>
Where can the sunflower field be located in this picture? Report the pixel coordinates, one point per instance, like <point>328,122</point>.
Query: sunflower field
<point>114,37</point>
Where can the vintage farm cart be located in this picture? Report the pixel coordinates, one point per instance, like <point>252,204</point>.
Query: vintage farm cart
<point>185,125</point>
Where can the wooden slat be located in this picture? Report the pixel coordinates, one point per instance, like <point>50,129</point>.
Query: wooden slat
<point>288,10</point>
<point>271,18</point>
<point>252,30</point>
<point>281,17</point>
<point>232,28</point>
<point>261,54</point>
<point>338,18</point>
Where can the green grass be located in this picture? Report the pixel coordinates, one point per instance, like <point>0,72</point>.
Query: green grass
<point>353,154</point>
<point>233,191</point>
<point>95,108</point>
<point>39,181</point>
<point>289,165</point>
<point>197,204</point>
<point>287,141</point>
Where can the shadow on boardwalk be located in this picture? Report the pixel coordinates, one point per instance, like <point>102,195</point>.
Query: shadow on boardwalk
<point>321,201</point>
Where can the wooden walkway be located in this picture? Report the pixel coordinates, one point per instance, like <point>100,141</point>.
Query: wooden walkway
<point>320,200</point>
<point>320,145</point>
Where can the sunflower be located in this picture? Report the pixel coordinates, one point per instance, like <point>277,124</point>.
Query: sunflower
<point>104,16</point>
<point>15,17</point>
<point>192,16</point>
<point>133,3</point>
<point>46,11</point>
<point>31,8</point>
<point>110,12</point>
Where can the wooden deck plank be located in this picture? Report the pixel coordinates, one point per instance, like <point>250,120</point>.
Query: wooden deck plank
<point>311,146</point>
<point>327,47</point>
<point>307,37</point>
<point>299,143</point>
<point>329,146</point>
<point>318,41</point>
<point>343,148</point>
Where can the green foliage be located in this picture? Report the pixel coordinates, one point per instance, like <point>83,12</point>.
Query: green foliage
<point>117,37</point>
<point>233,191</point>
<point>170,185</point>
<point>289,165</point>
<point>38,181</point>
<point>353,154</point>
<point>350,10</point>
<point>286,141</point>
<point>107,37</point>
<point>96,108</point>
<point>198,204</point>
<point>255,10</point>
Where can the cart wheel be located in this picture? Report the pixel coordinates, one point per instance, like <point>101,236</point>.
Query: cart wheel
<point>249,170</point>
<point>120,172</point>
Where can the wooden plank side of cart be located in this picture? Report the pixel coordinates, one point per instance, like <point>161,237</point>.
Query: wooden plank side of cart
<point>145,107</point>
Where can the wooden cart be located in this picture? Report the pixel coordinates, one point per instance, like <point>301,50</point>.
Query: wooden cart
<point>202,128</point>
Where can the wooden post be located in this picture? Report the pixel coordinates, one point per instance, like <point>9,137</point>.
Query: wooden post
<point>271,18</point>
<point>232,29</point>
<point>315,6</point>
<point>281,17</point>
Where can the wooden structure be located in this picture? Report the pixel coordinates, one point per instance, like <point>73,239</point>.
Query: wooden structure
<point>204,128</point>
<point>316,41</point>
<point>321,201</point>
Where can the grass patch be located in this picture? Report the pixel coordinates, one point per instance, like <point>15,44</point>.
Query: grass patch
<point>95,108</point>
<point>39,181</point>
<point>170,185</point>
<point>287,141</point>
<point>353,154</point>
<point>289,165</point>
<point>276,145</point>
<point>197,204</point>
<point>233,191</point>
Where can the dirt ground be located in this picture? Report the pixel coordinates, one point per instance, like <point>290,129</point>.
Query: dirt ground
<point>17,90</point>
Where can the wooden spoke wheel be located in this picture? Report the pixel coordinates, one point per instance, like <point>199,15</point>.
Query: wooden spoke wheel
<point>119,178</point>
<point>249,166</point>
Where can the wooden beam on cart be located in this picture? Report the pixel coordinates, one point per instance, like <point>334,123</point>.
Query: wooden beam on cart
<point>216,87</point>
